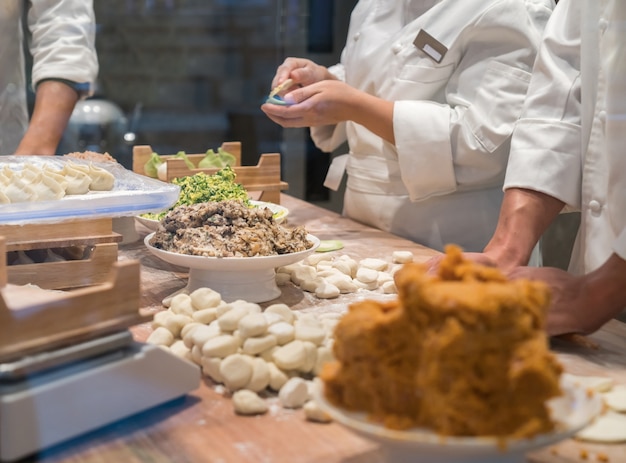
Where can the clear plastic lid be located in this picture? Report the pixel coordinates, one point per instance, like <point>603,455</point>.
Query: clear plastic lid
<point>132,194</point>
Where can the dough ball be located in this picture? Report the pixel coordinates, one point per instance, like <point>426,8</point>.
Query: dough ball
<point>249,403</point>
<point>294,393</point>
<point>205,298</point>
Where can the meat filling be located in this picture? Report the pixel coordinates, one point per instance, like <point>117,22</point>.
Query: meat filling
<point>227,229</point>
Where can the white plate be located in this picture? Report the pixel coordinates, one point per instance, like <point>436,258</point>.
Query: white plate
<point>280,214</point>
<point>150,224</point>
<point>573,411</point>
<point>249,278</point>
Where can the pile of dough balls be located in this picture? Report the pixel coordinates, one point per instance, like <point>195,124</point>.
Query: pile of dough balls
<point>255,352</point>
<point>327,275</point>
<point>249,350</point>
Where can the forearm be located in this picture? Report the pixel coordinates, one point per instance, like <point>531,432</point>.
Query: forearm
<point>54,103</point>
<point>524,216</point>
<point>375,114</point>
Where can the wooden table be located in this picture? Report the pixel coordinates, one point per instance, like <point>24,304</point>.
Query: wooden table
<point>202,427</point>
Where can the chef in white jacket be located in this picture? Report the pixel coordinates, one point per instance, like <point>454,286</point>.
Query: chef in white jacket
<point>65,65</point>
<point>569,151</point>
<point>426,94</point>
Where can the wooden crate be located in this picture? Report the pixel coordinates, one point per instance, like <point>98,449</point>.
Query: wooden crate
<point>32,320</point>
<point>262,181</point>
<point>97,234</point>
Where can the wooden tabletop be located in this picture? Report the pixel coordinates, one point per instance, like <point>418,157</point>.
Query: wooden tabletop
<point>202,426</point>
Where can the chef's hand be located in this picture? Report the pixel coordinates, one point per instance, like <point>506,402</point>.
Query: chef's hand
<point>570,307</point>
<point>581,304</point>
<point>302,71</point>
<point>479,257</point>
<point>322,103</point>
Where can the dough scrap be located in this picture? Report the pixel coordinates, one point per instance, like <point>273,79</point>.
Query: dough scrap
<point>313,412</point>
<point>236,370</point>
<point>252,324</point>
<point>221,346</point>
<point>294,393</point>
<point>161,337</point>
<point>247,402</point>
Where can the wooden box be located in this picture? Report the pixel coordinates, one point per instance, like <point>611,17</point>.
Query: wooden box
<point>263,181</point>
<point>96,236</point>
<point>33,320</point>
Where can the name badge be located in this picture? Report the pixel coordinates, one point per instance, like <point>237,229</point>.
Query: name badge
<point>430,45</point>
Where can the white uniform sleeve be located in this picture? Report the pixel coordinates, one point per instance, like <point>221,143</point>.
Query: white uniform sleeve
<point>546,146</point>
<point>463,144</point>
<point>615,68</point>
<point>63,40</point>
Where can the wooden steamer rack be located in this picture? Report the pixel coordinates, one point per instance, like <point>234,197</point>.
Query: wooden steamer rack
<point>68,363</point>
<point>96,236</point>
<point>262,181</point>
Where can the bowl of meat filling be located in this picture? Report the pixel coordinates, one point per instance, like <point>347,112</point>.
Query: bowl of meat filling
<point>279,213</point>
<point>230,247</point>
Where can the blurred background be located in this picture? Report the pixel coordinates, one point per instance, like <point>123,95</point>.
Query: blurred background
<point>191,74</point>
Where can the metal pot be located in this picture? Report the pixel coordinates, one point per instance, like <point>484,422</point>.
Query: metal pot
<point>99,125</point>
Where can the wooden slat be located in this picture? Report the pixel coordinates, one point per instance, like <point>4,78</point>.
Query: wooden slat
<point>67,274</point>
<point>27,327</point>
<point>96,230</point>
<point>141,154</point>
<point>265,177</point>
<point>64,242</point>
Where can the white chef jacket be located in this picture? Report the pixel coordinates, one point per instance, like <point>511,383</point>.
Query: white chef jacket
<point>63,46</point>
<point>442,180</point>
<point>571,141</point>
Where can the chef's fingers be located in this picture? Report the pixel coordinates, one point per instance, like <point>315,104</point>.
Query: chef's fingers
<point>302,71</point>
<point>297,95</point>
<point>283,118</point>
<point>283,72</point>
<point>281,87</point>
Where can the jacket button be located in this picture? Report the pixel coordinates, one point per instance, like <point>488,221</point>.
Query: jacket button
<point>595,206</point>
<point>396,48</point>
<point>603,24</point>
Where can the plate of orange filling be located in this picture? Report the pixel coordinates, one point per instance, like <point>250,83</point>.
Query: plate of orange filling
<point>573,411</point>
<point>457,369</point>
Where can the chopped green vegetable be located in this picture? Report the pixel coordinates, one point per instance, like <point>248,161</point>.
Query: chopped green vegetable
<point>329,245</point>
<point>152,164</point>
<point>202,188</point>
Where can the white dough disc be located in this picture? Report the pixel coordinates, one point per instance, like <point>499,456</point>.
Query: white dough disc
<point>616,398</point>
<point>607,428</point>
